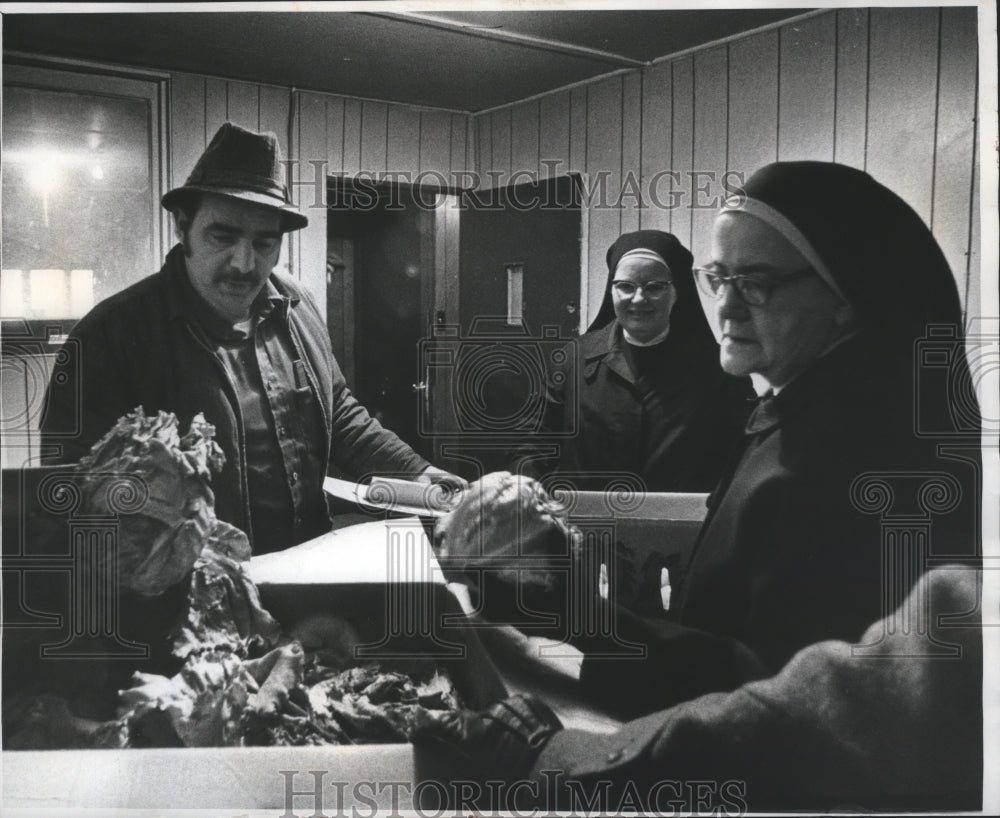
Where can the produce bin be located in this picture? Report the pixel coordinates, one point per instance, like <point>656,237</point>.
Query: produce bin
<point>380,577</point>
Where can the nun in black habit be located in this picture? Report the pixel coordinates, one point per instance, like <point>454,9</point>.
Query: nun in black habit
<point>827,286</point>
<point>859,472</point>
<point>645,395</point>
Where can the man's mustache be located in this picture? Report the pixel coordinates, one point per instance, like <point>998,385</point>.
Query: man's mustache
<point>237,278</point>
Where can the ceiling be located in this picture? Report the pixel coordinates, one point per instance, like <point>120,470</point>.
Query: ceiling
<point>466,61</point>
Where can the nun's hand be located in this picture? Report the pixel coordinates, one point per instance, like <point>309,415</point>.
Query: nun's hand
<point>503,741</point>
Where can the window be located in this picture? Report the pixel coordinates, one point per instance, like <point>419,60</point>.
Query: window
<point>81,220</point>
<point>80,190</point>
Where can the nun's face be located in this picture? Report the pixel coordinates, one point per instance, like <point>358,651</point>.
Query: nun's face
<point>797,324</point>
<point>643,295</point>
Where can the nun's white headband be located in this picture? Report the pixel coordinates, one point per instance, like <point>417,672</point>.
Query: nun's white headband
<point>778,220</point>
<point>644,253</point>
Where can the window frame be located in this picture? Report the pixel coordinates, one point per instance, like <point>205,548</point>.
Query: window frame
<point>44,74</point>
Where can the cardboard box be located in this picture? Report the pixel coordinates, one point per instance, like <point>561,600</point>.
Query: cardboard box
<point>380,576</point>
<point>637,536</point>
<point>383,578</point>
<point>109,782</point>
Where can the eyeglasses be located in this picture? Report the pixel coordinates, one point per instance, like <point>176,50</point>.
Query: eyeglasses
<point>652,289</point>
<point>753,290</point>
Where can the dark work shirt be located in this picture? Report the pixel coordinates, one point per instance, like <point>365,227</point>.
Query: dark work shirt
<point>282,423</point>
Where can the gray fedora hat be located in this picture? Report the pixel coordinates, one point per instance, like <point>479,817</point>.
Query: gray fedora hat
<point>245,165</point>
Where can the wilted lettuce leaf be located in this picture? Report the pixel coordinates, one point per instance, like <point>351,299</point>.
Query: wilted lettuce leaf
<point>156,483</point>
<point>223,607</point>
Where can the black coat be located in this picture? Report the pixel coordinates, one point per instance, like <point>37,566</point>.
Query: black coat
<point>598,414</point>
<point>832,730</point>
<point>792,551</point>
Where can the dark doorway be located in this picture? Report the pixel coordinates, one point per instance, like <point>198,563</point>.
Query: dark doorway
<point>380,280</point>
<point>389,246</point>
<point>519,281</point>
<point>537,226</point>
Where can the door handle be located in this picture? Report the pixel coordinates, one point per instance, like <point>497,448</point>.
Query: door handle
<point>419,387</point>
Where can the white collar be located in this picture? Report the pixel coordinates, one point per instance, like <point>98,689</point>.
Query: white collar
<point>637,343</point>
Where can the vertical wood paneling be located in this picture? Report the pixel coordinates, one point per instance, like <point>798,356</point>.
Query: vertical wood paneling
<point>403,150</point>
<point>272,114</point>
<point>334,135</point>
<point>524,133</point>
<point>753,103</point>
<point>905,116</point>
<point>657,130</point>
<point>604,163</point>
<point>807,89</point>
<point>435,147</point>
<point>352,137</point>
<point>682,146</point>
<point>459,155</point>
<point>578,130</point>
<point>710,125</point>
<point>311,240</point>
<point>631,196</point>
<point>902,100</point>
<point>243,104</point>
<point>554,134</point>
<point>484,149</point>
<point>187,125</point>
<point>374,116</point>
<point>216,105</point>
<point>501,143</point>
<point>310,190</point>
<point>852,87</point>
<point>955,123</point>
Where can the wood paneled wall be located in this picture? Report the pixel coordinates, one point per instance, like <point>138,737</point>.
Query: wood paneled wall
<point>199,105</point>
<point>333,135</point>
<point>890,90</point>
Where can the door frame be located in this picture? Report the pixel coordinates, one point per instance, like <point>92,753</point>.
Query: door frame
<point>438,209</point>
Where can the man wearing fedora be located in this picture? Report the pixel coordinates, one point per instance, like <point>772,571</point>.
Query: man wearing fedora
<point>217,331</point>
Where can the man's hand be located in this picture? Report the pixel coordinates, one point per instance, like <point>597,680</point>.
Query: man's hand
<point>504,740</point>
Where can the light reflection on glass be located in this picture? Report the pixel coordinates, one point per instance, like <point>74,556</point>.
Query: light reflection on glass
<point>77,200</point>
<point>11,293</point>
